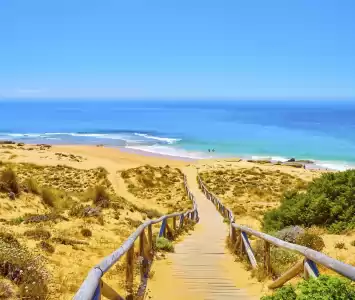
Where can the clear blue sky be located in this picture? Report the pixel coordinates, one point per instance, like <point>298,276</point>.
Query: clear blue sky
<point>177,48</point>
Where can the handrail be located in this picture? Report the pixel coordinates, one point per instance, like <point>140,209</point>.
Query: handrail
<point>310,254</point>
<point>91,284</point>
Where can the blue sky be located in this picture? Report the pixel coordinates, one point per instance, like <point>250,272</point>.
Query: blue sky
<point>177,48</point>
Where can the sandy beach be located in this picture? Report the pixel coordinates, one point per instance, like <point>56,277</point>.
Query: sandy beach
<point>72,169</point>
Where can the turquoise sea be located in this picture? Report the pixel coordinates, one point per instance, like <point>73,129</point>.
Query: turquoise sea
<point>322,130</point>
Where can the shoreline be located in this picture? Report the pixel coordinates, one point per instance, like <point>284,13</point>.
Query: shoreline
<point>316,165</point>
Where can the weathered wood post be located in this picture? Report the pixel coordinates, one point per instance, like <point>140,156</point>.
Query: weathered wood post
<point>150,238</point>
<point>181,220</point>
<point>144,262</point>
<point>174,224</point>
<point>129,273</point>
<point>267,258</point>
<point>232,235</point>
<point>162,231</point>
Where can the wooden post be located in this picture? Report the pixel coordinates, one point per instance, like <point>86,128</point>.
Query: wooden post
<point>162,231</point>
<point>294,271</point>
<point>241,249</point>
<point>142,255</point>
<point>97,295</point>
<point>129,273</point>
<point>267,258</point>
<point>174,224</point>
<point>150,237</point>
<point>181,220</point>
<point>232,235</point>
<point>310,269</point>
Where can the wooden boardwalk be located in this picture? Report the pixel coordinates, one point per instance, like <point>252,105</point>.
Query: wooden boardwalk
<point>201,267</point>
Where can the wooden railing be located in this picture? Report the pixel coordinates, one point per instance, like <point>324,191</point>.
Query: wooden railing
<point>93,286</point>
<point>238,238</point>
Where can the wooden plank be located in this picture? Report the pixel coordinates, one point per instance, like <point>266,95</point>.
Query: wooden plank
<point>129,273</point>
<point>109,292</point>
<point>267,258</point>
<point>293,272</point>
<point>249,250</point>
<point>310,269</point>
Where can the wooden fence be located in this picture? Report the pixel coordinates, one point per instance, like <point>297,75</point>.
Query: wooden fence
<point>241,245</point>
<point>94,287</point>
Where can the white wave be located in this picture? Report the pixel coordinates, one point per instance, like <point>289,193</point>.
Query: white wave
<point>333,165</point>
<point>169,151</point>
<point>169,141</point>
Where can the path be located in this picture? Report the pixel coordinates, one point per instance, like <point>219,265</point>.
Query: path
<point>201,267</point>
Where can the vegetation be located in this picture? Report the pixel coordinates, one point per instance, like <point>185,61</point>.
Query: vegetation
<point>311,240</point>
<point>38,234</point>
<point>86,232</point>
<point>328,201</point>
<point>46,246</point>
<point>32,186</point>
<point>324,287</point>
<point>164,244</point>
<point>9,181</point>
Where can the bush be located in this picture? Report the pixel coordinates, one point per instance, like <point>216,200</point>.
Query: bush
<point>164,244</point>
<point>323,287</point>
<point>86,232</point>
<point>328,201</point>
<point>6,291</point>
<point>46,247</point>
<point>311,240</point>
<point>24,269</point>
<point>38,234</point>
<point>101,197</point>
<point>48,197</point>
<point>9,182</point>
<point>339,245</point>
<point>32,186</point>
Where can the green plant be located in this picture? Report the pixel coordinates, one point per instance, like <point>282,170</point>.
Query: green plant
<point>48,197</point>
<point>321,288</point>
<point>101,197</point>
<point>32,186</point>
<point>284,293</point>
<point>6,290</point>
<point>328,201</point>
<point>38,234</point>
<point>340,245</point>
<point>86,232</point>
<point>352,243</point>
<point>311,240</point>
<point>164,244</point>
<point>46,246</point>
<point>9,182</point>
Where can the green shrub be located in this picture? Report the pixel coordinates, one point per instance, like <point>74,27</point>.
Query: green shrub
<point>38,234</point>
<point>164,244</point>
<point>285,293</point>
<point>328,201</point>
<point>32,186</point>
<point>321,288</point>
<point>86,232</point>
<point>48,197</point>
<point>9,182</point>
<point>311,240</point>
<point>101,197</point>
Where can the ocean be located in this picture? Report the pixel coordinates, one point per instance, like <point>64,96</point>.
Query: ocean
<point>323,131</point>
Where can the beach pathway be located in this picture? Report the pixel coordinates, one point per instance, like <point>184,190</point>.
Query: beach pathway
<point>201,267</point>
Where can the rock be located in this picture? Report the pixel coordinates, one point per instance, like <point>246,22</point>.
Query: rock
<point>293,164</point>
<point>290,234</point>
<point>12,196</point>
<point>291,160</point>
<point>7,142</point>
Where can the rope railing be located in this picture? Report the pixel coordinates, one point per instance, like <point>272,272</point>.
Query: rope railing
<point>94,287</point>
<point>238,237</point>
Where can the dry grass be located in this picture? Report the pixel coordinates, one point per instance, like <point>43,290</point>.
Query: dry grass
<point>250,192</point>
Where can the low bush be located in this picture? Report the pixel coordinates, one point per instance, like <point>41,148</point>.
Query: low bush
<point>32,186</point>
<point>311,240</point>
<point>6,290</point>
<point>328,201</point>
<point>9,181</point>
<point>101,197</point>
<point>38,234</point>
<point>164,244</point>
<point>46,247</point>
<point>86,232</point>
<point>340,245</point>
<point>48,197</point>
<point>323,287</point>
